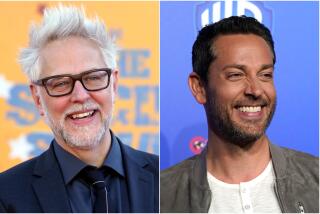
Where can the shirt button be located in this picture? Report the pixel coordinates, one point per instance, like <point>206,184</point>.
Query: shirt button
<point>247,207</point>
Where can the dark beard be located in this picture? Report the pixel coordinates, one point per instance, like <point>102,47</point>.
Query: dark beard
<point>220,123</point>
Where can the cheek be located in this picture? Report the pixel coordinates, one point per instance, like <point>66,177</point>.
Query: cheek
<point>270,92</point>
<point>227,93</point>
<point>105,99</point>
<point>55,107</point>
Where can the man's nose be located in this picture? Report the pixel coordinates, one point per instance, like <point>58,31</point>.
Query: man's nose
<point>79,93</point>
<point>253,87</point>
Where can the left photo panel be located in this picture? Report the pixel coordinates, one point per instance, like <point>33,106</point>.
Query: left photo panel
<point>79,107</point>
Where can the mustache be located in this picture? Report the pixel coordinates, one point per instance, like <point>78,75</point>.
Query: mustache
<point>252,102</point>
<point>81,107</point>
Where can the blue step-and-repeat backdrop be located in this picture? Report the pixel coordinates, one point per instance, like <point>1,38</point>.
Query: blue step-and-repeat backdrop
<point>295,28</point>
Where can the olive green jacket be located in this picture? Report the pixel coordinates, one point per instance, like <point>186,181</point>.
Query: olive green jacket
<point>184,187</point>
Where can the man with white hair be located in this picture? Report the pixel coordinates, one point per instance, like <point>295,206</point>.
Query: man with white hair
<point>71,65</point>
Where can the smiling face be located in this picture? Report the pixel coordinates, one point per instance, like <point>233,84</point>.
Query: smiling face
<point>80,119</point>
<point>239,97</point>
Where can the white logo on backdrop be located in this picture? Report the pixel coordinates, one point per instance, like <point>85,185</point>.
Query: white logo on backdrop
<point>213,14</point>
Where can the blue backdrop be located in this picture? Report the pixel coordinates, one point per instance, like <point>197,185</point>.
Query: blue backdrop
<point>295,29</point>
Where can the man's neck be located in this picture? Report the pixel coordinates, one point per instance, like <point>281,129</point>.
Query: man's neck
<point>93,156</point>
<point>233,164</point>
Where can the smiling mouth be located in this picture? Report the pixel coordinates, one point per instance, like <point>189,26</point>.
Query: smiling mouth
<point>250,109</point>
<point>79,116</point>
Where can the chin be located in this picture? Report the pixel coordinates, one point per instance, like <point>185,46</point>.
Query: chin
<point>81,145</point>
<point>244,141</point>
<point>84,139</point>
<point>244,137</point>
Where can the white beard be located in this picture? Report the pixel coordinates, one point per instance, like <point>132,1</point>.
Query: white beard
<point>80,137</point>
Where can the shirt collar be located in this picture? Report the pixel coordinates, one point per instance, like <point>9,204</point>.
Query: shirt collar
<point>114,157</point>
<point>71,165</point>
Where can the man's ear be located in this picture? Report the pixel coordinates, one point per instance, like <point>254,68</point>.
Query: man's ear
<point>197,88</point>
<point>36,98</point>
<point>115,81</point>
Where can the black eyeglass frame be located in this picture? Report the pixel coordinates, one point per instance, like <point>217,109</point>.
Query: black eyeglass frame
<point>75,77</point>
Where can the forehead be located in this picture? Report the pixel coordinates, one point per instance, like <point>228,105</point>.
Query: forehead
<point>239,48</point>
<point>71,55</point>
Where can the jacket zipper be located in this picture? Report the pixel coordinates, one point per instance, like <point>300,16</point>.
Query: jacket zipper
<point>279,198</point>
<point>300,205</point>
<point>301,208</point>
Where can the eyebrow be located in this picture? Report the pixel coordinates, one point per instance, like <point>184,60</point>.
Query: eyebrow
<point>243,67</point>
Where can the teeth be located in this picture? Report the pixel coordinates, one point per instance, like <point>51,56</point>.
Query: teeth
<point>82,115</point>
<point>250,108</point>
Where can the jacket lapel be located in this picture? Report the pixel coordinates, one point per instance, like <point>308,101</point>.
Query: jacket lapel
<point>278,161</point>
<point>48,184</point>
<point>199,200</point>
<point>140,181</point>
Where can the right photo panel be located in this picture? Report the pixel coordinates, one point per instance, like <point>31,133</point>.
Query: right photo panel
<point>239,106</point>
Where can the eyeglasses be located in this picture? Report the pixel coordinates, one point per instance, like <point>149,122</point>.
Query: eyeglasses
<point>61,85</point>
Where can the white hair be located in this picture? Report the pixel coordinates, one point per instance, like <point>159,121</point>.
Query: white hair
<point>59,23</point>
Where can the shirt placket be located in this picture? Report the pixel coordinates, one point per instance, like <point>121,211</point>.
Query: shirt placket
<point>245,198</point>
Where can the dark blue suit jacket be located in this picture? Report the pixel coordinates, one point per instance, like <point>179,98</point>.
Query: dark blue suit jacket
<point>37,185</point>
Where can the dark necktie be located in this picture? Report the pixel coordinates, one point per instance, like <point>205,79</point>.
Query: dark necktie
<point>94,177</point>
